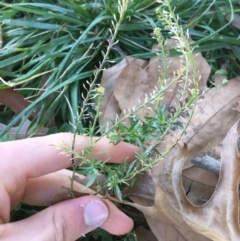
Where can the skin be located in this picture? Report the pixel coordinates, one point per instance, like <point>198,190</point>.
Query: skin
<point>33,170</point>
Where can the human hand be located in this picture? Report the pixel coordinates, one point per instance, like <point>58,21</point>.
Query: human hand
<point>32,171</point>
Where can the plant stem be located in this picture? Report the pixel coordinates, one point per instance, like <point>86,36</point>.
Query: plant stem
<point>122,7</point>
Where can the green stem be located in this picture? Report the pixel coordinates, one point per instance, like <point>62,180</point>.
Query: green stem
<point>112,40</point>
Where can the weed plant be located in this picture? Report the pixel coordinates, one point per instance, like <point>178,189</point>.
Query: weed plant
<point>139,132</point>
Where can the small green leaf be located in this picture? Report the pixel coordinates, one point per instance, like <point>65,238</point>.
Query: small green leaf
<point>91,180</point>
<point>222,72</point>
<point>118,192</point>
<point>225,81</point>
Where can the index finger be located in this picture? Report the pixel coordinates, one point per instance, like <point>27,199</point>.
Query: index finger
<point>39,156</point>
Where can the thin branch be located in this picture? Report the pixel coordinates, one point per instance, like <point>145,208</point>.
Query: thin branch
<point>208,163</point>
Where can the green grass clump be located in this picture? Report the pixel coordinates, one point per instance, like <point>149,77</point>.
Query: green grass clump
<point>51,48</point>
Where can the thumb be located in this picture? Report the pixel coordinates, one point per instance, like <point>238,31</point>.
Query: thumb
<point>68,220</point>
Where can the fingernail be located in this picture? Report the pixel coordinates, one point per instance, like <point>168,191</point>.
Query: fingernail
<point>95,213</point>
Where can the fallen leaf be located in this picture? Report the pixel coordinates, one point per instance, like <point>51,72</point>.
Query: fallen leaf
<point>122,83</point>
<point>216,220</point>
<point>168,205</point>
<point>236,20</point>
<point>144,234</point>
<point>109,108</point>
<point>212,119</point>
<point>237,107</point>
<point>203,136</point>
<point>175,176</point>
<point>21,132</point>
<point>13,100</point>
<point>132,87</point>
<point>17,103</point>
<point>129,83</point>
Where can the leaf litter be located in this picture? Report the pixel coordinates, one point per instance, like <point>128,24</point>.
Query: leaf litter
<point>181,201</point>
<point>201,215</point>
<point>17,103</point>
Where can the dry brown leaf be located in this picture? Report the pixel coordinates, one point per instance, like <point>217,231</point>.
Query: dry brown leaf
<point>109,106</point>
<point>132,86</point>
<point>164,231</point>
<point>122,83</point>
<point>237,107</point>
<point>211,121</point>
<point>204,135</point>
<point>236,20</point>
<point>128,83</point>
<point>17,104</point>
<point>217,220</point>
<point>144,234</point>
<point>167,205</point>
<point>23,130</point>
<point>13,100</point>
